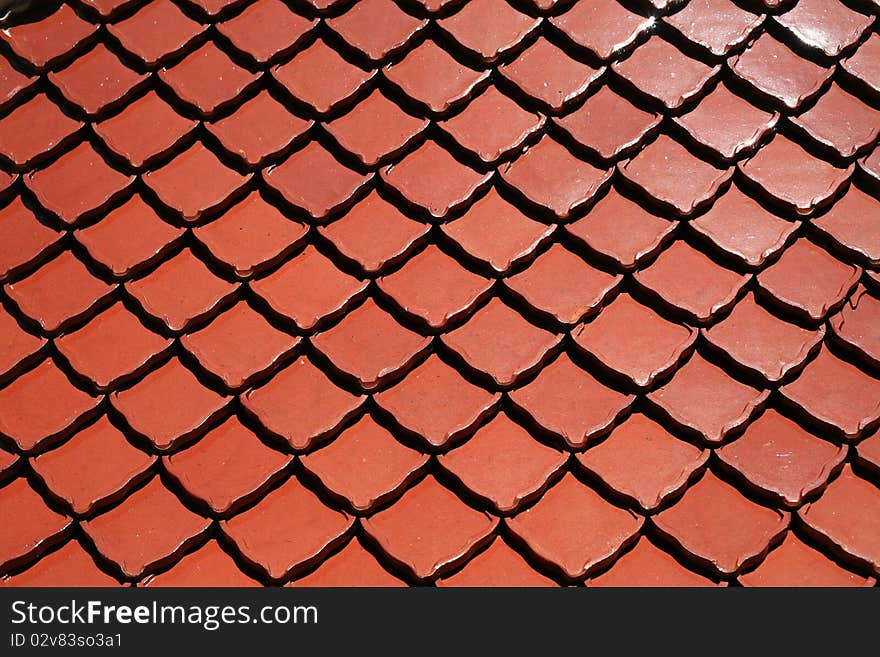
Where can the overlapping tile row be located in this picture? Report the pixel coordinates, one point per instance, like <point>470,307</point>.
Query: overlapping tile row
<point>458,293</point>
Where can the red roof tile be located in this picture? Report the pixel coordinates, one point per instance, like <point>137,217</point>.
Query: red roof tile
<point>371,276</point>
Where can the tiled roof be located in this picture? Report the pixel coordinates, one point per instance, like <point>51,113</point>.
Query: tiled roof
<point>440,292</point>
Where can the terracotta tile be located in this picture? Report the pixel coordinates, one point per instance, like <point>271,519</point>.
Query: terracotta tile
<point>30,525</point>
<point>864,65</point>
<point>95,467</point>
<point>433,78</point>
<point>574,529</point>
<point>719,26</point>
<point>301,405</point>
<point>239,347</point>
<point>260,129</point>
<point>161,295</point>
<point>704,401</point>
<point>436,403</point>
<point>266,30</point>
<point>59,293</point>
<point>795,564</point>
<point>691,283</point>
<point>207,80</point>
<point>851,225</point>
<point>351,566</point>
<point>870,164</point>
<point>761,342</point>
<point>727,124</point>
<point>715,524</point>
<point>503,465</point>
<point>560,284</point>
<point>497,566</point>
<point>120,535</point>
<point>643,462</point>
<point>376,129</point>
<point>77,185</point>
<point>429,529</point>
<point>857,325</point>
<point>47,42</point>
<point>17,347</point>
<point>434,180</point>
<point>35,130</point>
<point>374,233</point>
<point>778,457</point>
<point>840,121</point>
<point>743,230</point>
<point>673,176</point>
<point>647,565</point>
<point>308,289</point>
<point>376,28</point>
<point>365,465</point>
<point>320,78</point>
<point>42,405</point>
<point>167,426</point>
<point>195,183</point>
<point>488,28</point>
<point>846,517</point>
<point>135,348</point>
<point>97,81</point>
<point>434,287</point>
<point>604,27</point>
<point>290,529</point>
<point>568,402</point>
<point>70,566</point>
<point>8,461</point>
<point>500,343</point>
<point>492,126</point>
<point>251,236</point>
<point>129,237</point>
<point>572,183</point>
<point>549,76</point>
<point>157,32</point>
<point>837,395</point>
<point>608,125</point>
<point>13,82</point>
<point>634,342</point>
<point>209,566</point>
<point>370,346</point>
<point>621,230</point>
<point>497,233</point>
<point>778,73</point>
<point>23,239</point>
<point>145,131</point>
<point>227,467</point>
<point>663,72</point>
<point>827,26</point>
<point>808,281</point>
<point>314,181</point>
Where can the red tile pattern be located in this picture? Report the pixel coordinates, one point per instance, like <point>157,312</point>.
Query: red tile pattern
<point>456,293</point>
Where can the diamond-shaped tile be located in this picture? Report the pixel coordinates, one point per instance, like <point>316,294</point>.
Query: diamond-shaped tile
<point>31,526</point>
<point>570,403</point>
<point>17,348</point>
<point>719,26</point>
<point>704,401</point>
<point>301,405</point>
<point>575,529</point>
<point>207,472</point>
<point>365,465</point>
<point>603,27</point>
<point>42,405</point>
<point>488,28</point>
<point>166,426</point>
<point>851,223</point>
<point>266,30</point>
<point>157,32</point>
<point>23,239</point>
<point>351,566</point>
<point>827,26</point>
<point>376,28</point>
<point>501,344</point>
<point>370,346</point>
<point>35,130</point>
<point>429,529</point>
<point>497,566</point>
<point>47,42</point>
<point>209,566</point>
<point>436,403</point>
<point>840,121</point>
<point>857,325</point>
<point>647,565</point>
